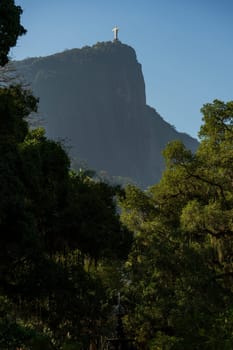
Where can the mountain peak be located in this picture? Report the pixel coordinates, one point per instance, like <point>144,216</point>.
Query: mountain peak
<point>102,51</point>
<point>95,98</point>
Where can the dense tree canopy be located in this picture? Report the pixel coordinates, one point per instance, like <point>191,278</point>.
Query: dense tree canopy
<point>63,244</point>
<point>53,224</point>
<point>10,28</point>
<point>180,267</point>
<point>52,221</point>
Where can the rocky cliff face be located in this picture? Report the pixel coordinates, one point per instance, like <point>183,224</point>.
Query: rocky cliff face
<point>94,97</point>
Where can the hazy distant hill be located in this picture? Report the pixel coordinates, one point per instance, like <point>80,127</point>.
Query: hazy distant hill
<point>95,98</point>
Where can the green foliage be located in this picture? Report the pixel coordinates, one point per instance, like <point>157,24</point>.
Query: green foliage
<point>15,105</point>
<point>52,221</point>
<point>12,333</point>
<point>10,29</point>
<point>180,267</point>
<point>16,221</point>
<point>91,220</point>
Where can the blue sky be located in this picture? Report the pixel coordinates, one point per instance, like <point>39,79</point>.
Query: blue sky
<point>185,46</point>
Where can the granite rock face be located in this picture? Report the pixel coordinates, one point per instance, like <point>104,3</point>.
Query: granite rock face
<point>94,98</point>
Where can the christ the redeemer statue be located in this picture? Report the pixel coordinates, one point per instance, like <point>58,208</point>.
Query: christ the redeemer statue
<point>115,30</point>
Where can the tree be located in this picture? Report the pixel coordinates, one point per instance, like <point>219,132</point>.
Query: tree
<point>91,221</point>
<point>16,221</point>
<point>10,28</point>
<point>50,219</point>
<point>180,268</point>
